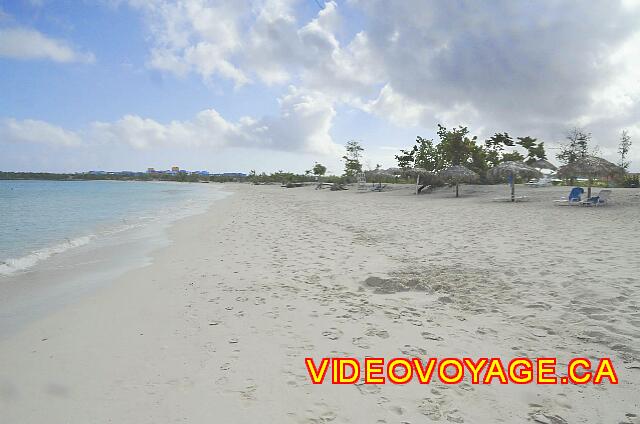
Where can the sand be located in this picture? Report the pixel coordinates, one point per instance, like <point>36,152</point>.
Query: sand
<point>216,329</point>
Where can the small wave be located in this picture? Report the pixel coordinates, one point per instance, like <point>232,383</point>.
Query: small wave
<point>10,266</point>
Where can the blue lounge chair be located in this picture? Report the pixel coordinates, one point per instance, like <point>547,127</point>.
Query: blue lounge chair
<point>598,200</point>
<point>575,197</point>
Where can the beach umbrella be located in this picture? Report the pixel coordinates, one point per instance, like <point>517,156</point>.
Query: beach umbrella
<point>415,172</point>
<point>513,169</point>
<point>591,167</point>
<point>542,164</point>
<point>381,173</point>
<point>458,174</point>
<point>394,171</point>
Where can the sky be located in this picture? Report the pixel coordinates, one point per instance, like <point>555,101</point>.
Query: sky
<point>270,85</point>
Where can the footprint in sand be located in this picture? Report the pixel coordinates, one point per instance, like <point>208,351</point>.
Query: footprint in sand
<point>360,342</point>
<point>539,417</point>
<point>434,409</point>
<point>321,413</point>
<point>383,334</point>
<point>332,333</point>
<point>368,389</point>
<point>248,393</point>
<point>430,336</point>
<point>413,351</point>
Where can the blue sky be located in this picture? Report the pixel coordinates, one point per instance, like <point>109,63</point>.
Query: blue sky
<point>279,84</point>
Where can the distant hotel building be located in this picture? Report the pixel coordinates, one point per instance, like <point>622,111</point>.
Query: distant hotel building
<point>176,170</point>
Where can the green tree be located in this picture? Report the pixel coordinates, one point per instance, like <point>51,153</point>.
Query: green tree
<point>495,146</point>
<point>428,156</point>
<point>623,149</point>
<point>479,163</point>
<point>513,156</point>
<point>534,150</point>
<point>538,152</point>
<point>455,145</point>
<point>407,158</point>
<point>319,169</point>
<point>576,147</point>
<point>352,165</point>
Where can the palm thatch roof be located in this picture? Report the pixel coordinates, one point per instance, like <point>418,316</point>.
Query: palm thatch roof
<point>387,173</point>
<point>416,171</point>
<point>590,166</point>
<point>513,168</point>
<point>542,164</point>
<point>458,174</point>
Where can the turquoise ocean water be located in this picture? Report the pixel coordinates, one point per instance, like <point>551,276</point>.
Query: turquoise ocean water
<point>39,219</point>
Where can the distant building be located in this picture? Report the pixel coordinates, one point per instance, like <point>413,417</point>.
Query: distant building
<point>175,169</point>
<point>231,174</point>
<point>151,170</point>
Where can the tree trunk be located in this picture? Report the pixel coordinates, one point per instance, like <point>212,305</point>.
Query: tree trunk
<point>513,191</point>
<point>456,189</point>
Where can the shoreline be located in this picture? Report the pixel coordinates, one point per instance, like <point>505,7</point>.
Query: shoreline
<point>67,275</point>
<point>216,329</point>
<point>16,265</point>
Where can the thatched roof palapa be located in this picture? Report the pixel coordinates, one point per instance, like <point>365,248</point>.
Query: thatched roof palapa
<point>590,166</point>
<point>513,168</point>
<point>458,174</point>
<point>542,164</point>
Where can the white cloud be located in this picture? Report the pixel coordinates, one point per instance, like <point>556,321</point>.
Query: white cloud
<point>241,40</point>
<point>195,36</point>
<point>303,125</point>
<point>26,44</point>
<point>39,132</point>
<point>527,68</point>
<point>397,108</point>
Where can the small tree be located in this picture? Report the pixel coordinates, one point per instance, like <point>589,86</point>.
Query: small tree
<point>455,147</point>
<point>352,165</point>
<point>538,152</point>
<point>513,156</point>
<point>479,163</point>
<point>407,158</point>
<point>495,146</point>
<point>428,156</point>
<point>576,148</point>
<point>534,150</point>
<point>623,149</point>
<point>319,169</point>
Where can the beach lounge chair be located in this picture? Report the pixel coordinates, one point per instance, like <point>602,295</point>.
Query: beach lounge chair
<point>600,199</point>
<point>541,182</point>
<point>574,199</point>
<point>378,187</point>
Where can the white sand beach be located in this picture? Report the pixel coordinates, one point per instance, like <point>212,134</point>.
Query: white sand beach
<point>216,328</point>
